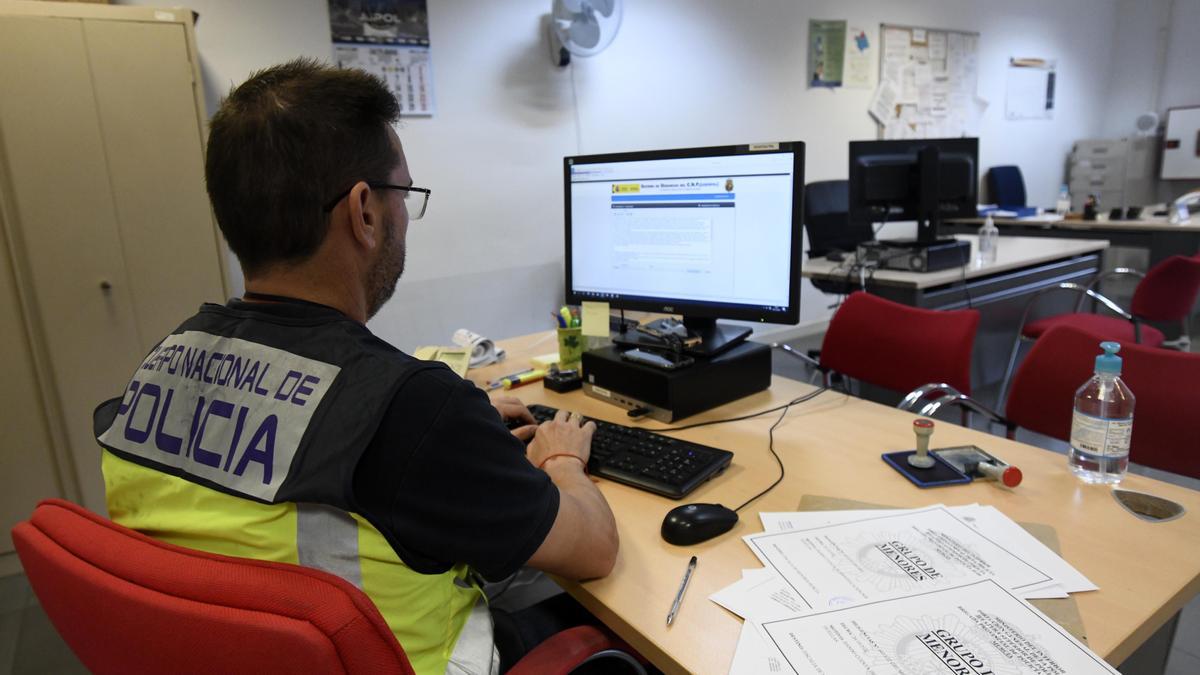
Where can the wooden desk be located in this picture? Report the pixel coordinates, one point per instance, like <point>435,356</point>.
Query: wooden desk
<point>1158,236</point>
<point>1000,290</point>
<point>831,446</point>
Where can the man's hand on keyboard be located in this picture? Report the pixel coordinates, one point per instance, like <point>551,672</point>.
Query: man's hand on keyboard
<point>562,435</point>
<point>515,415</point>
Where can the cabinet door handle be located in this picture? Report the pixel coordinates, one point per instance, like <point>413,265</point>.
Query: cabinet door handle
<point>105,285</point>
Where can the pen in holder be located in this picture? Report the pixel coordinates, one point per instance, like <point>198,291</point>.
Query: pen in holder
<point>570,347</point>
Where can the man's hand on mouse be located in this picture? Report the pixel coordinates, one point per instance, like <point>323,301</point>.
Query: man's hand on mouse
<point>565,434</point>
<point>510,409</point>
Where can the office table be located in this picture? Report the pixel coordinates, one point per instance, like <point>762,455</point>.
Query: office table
<point>831,446</point>
<point>1000,290</point>
<point>1161,238</point>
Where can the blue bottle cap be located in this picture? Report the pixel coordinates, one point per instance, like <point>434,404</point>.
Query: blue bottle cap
<point>1109,362</point>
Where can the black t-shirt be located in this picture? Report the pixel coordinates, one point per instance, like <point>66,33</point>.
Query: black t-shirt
<point>443,479</point>
<point>450,483</point>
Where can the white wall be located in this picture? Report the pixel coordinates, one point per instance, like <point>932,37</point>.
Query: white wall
<point>1156,66</point>
<point>680,73</point>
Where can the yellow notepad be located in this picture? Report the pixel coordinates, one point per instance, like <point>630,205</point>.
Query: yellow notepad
<point>458,358</point>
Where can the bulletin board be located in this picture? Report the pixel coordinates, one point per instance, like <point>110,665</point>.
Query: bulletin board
<point>927,83</point>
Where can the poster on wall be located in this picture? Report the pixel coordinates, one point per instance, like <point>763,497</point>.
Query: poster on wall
<point>858,71</point>
<point>826,52</point>
<point>1029,94</point>
<point>839,55</point>
<point>388,38</point>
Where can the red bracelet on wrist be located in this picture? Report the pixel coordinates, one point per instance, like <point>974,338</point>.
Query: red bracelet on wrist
<point>564,454</point>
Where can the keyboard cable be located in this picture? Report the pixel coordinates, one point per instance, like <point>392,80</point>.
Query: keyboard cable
<point>770,435</point>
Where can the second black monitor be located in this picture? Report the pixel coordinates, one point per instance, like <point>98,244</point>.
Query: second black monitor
<point>924,180</point>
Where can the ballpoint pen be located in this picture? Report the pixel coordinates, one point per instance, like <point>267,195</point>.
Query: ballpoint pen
<point>687,576</point>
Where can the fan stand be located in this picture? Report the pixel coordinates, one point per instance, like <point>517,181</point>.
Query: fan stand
<point>559,55</point>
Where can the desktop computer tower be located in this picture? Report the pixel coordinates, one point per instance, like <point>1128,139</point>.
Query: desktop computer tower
<point>670,395</point>
<point>914,256</point>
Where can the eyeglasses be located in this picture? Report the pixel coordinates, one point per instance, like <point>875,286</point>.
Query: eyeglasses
<point>416,199</point>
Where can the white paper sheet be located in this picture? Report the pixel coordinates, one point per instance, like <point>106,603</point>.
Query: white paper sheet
<point>937,46</point>
<point>971,628</point>
<point>888,555</point>
<point>1004,531</point>
<point>753,656</point>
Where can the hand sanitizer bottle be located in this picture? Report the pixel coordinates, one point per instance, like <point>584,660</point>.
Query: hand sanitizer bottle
<point>1063,205</point>
<point>1103,422</point>
<point>989,239</point>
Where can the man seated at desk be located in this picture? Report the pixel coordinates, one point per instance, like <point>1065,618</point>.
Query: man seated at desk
<point>278,427</point>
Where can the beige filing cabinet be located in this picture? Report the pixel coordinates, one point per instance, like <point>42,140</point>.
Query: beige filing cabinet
<point>108,238</point>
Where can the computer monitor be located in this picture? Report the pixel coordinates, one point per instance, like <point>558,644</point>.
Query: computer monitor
<point>923,180</point>
<point>709,233</point>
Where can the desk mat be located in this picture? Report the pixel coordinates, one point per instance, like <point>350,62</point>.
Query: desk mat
<point>1064,611</point>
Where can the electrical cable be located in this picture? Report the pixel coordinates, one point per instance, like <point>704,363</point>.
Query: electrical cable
<point>575,107</point>
<point>770,435</point>
<point>771,447</point>
<point>796,401</point>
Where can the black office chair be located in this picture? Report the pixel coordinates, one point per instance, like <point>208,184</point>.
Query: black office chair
<point>1006,186</point>
<point>826,219</point>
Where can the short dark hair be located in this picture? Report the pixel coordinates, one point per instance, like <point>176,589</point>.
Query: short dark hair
<point>285,142</point>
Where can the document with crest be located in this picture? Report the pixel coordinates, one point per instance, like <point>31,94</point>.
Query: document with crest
<point>889,555</point>
<point>976,628</point>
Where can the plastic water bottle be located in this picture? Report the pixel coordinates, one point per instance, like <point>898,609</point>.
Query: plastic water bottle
<point>1063,205</point>
<point>1103,422</point>
<point>989,240</point>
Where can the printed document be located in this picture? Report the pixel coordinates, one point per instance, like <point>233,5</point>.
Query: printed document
<point>881,556</point>
<point>973,628</point>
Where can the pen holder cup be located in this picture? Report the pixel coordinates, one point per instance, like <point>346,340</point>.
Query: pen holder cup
<point>570,347</point>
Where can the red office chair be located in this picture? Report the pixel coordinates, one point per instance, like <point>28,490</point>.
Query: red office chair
<point>126,603</point>
<point>1166,427</point>
<point>1166,293</point>
<point>899,347</point>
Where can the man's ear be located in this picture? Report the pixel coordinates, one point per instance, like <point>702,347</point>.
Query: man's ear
<point>365,223</point>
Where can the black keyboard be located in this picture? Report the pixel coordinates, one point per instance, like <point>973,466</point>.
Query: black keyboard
<point>646,460</point>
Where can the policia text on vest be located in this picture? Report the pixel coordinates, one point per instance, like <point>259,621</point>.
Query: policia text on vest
<point>221,408</point>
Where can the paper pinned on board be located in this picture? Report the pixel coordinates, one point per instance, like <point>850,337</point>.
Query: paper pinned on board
<point>883,103</point>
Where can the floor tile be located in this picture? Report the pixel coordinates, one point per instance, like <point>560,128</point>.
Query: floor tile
<point>10,632</point>
<point>1182,663</point>
<point>1187,633</point>
<point>40,649</point>
<point>14,593</point>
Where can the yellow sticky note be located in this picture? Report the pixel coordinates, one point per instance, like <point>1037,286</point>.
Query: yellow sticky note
<point>595,319</point>
<point>544,361</point>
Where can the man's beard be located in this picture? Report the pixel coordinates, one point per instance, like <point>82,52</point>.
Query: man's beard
<point>381,281</point>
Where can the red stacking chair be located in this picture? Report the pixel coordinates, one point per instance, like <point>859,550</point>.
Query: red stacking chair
<point>900,347</point>
<point>126,603</point>
<point>1166,293</point>
<point>1166,415</point>
<point>1165,385</point>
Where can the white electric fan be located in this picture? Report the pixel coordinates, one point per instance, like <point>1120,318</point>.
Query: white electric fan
<point>582,28</point>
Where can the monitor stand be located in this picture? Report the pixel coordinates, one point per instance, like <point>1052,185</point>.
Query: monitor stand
<point>715,338</point>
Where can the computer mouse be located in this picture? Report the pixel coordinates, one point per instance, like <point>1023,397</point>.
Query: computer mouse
<point>693,523</point>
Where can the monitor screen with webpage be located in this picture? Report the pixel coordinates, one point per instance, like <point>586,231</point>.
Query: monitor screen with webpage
<point>704,232</point>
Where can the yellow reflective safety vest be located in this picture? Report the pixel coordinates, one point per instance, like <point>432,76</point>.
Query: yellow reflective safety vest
<point>239,434</point>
